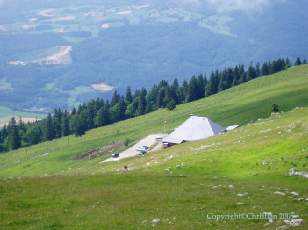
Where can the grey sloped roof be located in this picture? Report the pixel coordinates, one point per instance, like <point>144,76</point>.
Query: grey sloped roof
<point>194,128</point>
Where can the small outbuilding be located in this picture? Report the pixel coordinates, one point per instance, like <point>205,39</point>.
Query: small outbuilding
<point>193,129</point>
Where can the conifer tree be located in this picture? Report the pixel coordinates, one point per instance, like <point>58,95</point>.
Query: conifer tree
<point>288,63</point>
<point>115,98</point>
<point>14,141</point>
<point>129,96</point>
<point>49,132</point>
<point>65,126</point>
<point>212,86</point>
<point>265,69</point>
<point>57,116</point>
<point>171,105</point>
<point>251,73</point>
<point>142,103</point>
<point>103,116</point>
<point>79,124</point>
<point>34,135</point>
<point>298,61</point>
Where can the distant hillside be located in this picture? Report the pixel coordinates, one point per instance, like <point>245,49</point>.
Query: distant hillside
<point>239,105</point>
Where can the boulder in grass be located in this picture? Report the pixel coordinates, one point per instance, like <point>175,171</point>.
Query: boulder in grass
<point>294,193</point>
<point>279,193</point>
<point>294,222</point>
<point>155,221</point>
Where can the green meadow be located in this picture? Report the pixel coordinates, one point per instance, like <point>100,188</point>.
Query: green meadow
<point>245,171</point>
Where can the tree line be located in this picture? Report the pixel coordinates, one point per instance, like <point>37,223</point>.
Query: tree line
<point>100,112</point>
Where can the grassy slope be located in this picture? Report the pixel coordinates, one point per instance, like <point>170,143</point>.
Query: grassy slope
<point>239,105</point>
<point>254,159</point>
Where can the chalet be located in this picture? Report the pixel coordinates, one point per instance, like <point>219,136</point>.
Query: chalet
<point>193,129</point>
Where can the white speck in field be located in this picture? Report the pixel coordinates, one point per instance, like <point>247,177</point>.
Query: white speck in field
<point>279,193</point>
<point>231,186</point>
<point>294,193</point>
<point>168,170</point>
<point>242,194</point>
<point>293,172</point>
<point>45,154</point>
<point>155,221</point>
<point>294,222</point>
<point>216,186</point>
<point>265,162</point>
<point>240,203</point>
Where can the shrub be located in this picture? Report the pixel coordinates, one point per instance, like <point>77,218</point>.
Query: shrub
<point>171,105</point>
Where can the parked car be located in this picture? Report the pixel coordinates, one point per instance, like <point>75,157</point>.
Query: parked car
<point>115,155</point>
<point>143,149</point>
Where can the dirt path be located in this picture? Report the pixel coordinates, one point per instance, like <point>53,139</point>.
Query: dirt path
<point>150,141</point>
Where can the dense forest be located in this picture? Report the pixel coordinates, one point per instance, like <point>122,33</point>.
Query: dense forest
<point>100,112</point>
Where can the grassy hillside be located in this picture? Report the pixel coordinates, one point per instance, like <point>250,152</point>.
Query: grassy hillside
<point>239,105</point>
<point>244,171</point>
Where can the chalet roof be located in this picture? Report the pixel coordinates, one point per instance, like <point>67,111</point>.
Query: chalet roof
<point>194,128</point>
